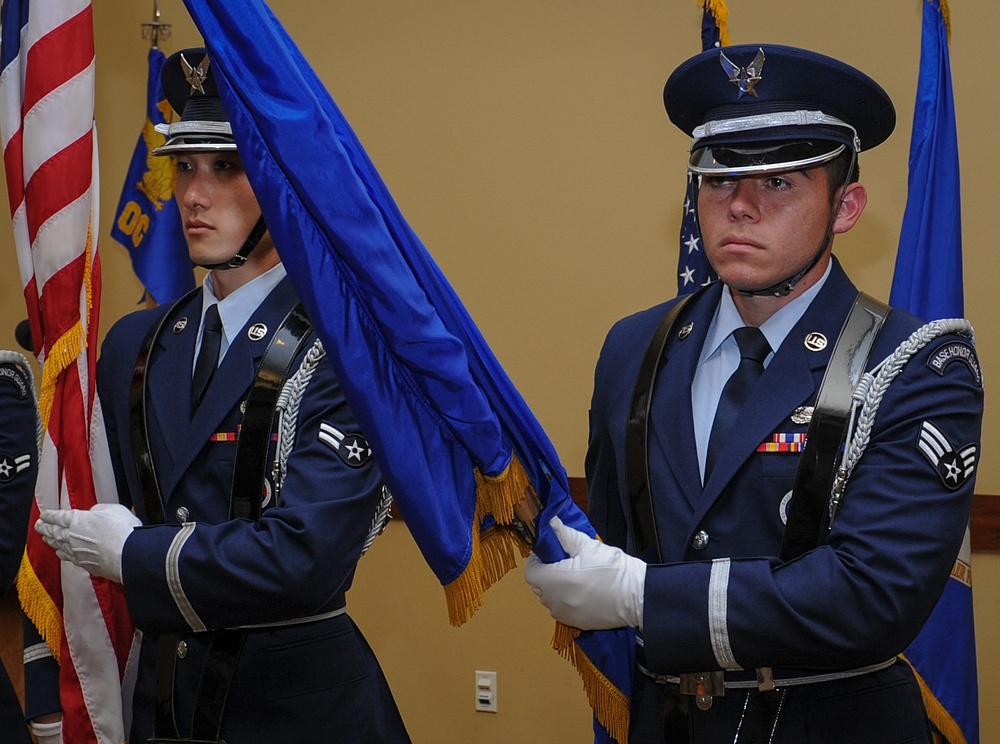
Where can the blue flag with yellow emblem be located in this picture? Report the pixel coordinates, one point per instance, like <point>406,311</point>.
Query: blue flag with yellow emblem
<point>928,282</point>
<point>461,451</point>
<point>147,222</point>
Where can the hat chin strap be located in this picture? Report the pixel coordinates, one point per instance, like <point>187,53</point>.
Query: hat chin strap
<point>785,286</point>
<point>244,252</point>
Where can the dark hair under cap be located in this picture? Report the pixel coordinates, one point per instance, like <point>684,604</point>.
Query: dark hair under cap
<point>189,85</point>
<point>745,103</point>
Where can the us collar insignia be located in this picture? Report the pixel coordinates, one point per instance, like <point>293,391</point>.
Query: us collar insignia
<point>744,78</point>
<point>196,76</point>
<point>257,331</point>
<point>815,341</point>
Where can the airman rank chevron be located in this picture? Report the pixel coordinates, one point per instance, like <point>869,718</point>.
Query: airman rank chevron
<point>352,448</point>
<point>10,466</point>
<point>790,442</point>
<point>954,467</point>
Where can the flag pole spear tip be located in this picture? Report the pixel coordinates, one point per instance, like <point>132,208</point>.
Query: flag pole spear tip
<point>155,31</point>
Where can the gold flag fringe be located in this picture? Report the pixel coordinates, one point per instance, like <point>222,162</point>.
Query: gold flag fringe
<point>494,553</point>
<point>495,550</point>
<point>38,606</point>
<point>63,353</point>
<point>945,14</point>
<point>610,705</point>
<point>35,600</point>
<point>937,714</point>
<point>68,347</point>
<point>720,12</point>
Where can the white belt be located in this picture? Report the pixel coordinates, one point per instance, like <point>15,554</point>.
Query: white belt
<point>296,621</point>
<point>812,679</point>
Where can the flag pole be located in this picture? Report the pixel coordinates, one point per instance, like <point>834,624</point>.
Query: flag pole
<point>156,30</point>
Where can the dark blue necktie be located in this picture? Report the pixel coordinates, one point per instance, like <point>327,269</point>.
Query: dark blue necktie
<point>753,351</point>
<point>208,355</point>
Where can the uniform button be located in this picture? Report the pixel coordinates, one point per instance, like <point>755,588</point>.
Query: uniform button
<point>700,541</point>
<point>182,649</point>
<point>183,514</point>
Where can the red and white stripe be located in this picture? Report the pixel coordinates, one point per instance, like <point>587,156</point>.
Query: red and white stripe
<point>50,159</point>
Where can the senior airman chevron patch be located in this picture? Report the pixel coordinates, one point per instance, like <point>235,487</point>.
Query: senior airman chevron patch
<point>954,467</point>
<point>352,448</point>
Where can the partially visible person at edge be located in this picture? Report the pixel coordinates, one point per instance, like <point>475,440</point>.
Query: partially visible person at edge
<point>18,472</point>
<point>245,637</point>
<point>739,638</point>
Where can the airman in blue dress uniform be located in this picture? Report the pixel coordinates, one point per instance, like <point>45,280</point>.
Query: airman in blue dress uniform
<point>18,471</point>
<point>198,572</point>
<point>739,641</point>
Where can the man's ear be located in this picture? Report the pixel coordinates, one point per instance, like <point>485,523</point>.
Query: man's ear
<point>852,204</point>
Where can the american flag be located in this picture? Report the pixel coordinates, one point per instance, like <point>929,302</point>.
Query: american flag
<point>693,269</point>
<point>47,69</point>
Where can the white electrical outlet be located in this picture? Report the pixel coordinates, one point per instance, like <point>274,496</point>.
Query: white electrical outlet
<point>486,691</point>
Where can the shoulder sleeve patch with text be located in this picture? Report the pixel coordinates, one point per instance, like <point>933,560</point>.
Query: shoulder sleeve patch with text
<point>956,352</point>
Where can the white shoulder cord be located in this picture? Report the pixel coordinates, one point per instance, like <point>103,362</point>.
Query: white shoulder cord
<point>872,387</point>
<point>288,414</point>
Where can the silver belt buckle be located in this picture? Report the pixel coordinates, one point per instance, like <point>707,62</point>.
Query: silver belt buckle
<point>704,686</point>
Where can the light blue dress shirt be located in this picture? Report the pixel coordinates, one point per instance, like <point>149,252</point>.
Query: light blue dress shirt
<point>235,310</point>
<point>720,356</point>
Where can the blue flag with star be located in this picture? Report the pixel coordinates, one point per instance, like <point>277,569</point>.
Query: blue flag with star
<point>146,221</point>
<point>928,282</point>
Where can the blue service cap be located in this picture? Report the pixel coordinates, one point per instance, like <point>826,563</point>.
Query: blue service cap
<point>189,85</point>
<point>766,108</point>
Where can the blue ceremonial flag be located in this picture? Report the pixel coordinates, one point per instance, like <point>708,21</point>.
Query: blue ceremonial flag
<point>693,269</point>
<point>459,447</point>
<point>146,221</point>
<point>928,283</point>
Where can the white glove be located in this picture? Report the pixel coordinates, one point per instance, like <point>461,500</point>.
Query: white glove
<point>93,539</point>
<point>47,733</point>
<point>596,588</point>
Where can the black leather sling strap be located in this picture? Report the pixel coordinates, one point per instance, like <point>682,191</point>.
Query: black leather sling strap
<point>809,511</point>
<point>245,502</point>
<point>809,516</point>
<point>644,537</point>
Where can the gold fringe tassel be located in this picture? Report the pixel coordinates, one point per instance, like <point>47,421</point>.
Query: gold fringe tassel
<point>38,606</point>
<point>63,353</point>
<point>70,345</point>
<point>720,13</point>
<point>494,552</point>
<point>610,705</point>
<point>936,713</point>
<point>34,599</point>
<point>945,15</point>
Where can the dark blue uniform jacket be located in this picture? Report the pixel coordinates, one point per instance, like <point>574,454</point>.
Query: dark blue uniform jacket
<point>722,598</point>
<point>202,571</point>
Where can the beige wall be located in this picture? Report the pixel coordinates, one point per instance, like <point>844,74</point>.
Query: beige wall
<point>527,145</point>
